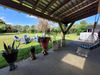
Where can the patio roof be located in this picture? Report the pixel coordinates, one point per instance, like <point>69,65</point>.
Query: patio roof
<point>62,11</point>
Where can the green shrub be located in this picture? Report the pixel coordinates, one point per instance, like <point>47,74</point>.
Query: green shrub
<point>82,28</point>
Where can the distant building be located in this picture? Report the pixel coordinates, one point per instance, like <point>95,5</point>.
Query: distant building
<point>90,28</point>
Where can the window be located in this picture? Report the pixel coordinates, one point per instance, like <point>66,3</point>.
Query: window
<point>89,30</point>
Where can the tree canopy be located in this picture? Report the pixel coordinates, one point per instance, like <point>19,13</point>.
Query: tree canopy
<point>83,22</point>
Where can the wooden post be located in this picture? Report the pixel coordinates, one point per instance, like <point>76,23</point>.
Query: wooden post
<point>63,42</point>
<point>65,27</point>
<point>69,27</point>
<point>99,7</point>
<point>60,25</point>
<point>96,22</point>
<point>63,35</point>
<point>94,28</point>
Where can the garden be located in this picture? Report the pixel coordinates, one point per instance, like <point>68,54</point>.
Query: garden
<point>24,49</point>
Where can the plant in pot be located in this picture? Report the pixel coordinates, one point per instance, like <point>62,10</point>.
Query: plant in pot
<point>10,55</point>
<point>32,52</point>
<point>43,26</point>
<point>44,41</point>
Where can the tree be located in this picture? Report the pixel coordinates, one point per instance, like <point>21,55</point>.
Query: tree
<point>2,26</point>
<point>32,28</point>
<point>43,26</point>
<point>82,28</point>
<point>25,28</point>
<point>83,22</point>
<point>17,28</point>
<point>1,21</point>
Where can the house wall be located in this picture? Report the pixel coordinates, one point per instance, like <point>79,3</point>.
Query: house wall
<point>96,30</point>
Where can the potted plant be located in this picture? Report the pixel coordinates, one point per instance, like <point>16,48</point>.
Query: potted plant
<point>32,53</point>
<point>10,55</point>
<point>44,43</point>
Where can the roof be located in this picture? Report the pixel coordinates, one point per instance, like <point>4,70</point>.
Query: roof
<point>63,11</point>
<point>91,27</point>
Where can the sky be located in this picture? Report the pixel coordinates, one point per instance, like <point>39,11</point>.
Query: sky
<point>13,17</point>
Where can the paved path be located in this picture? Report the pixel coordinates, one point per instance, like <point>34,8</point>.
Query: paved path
<point>61,62</point>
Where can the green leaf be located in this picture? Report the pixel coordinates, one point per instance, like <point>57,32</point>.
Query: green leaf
<point>13,44</point>
<point>5,47</point>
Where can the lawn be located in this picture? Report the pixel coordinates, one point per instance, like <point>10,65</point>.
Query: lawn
<point>24,50</point>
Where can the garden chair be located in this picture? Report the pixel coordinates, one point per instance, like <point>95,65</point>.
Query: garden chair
<point>23,40</point>
<point>36,38</point>
<point>16,38</point>
<point>27,39</point>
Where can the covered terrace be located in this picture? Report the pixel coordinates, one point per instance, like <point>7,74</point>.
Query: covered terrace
<point>64,61</point>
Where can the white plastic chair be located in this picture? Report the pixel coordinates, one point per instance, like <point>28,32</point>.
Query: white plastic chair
<point>22,40</point>
<point>25,36</point>
<point>16,38</point>
<point>36,38</point>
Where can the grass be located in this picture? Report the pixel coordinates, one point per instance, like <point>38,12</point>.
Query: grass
<point>24,50</point>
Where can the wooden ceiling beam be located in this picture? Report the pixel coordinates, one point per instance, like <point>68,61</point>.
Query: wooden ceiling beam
<point>52,2</point>
<point>88,9</point>
<point>60,7</point>
<point>21,2</point>
<point>38,2</point>
<point>78,9</point>
<point>76,1</point>
<point>70,8</point>
<point>17,6</point>
<point>72,3</point>
<point>80,15</point>
<point>85,16</point>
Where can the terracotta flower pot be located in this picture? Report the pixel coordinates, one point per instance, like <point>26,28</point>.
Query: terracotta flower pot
<point>44,43</point>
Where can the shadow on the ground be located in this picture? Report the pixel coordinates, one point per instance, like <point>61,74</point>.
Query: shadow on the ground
<point>3,34</point>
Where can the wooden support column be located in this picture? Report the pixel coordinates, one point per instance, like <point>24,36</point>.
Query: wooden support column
<point>94,28</point>
<point>69,27</point>
<point>97,20</point>
<point>62,30</point>
<point>60,25</point>
<point>65,27</point>
<point>63,41</point>
<point>99,7</point>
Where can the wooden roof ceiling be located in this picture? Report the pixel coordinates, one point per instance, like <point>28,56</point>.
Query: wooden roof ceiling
<point>63,11</point>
